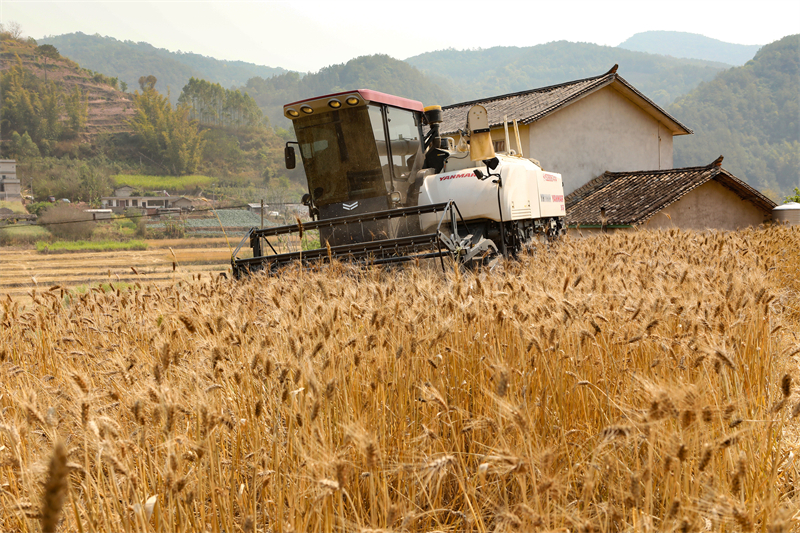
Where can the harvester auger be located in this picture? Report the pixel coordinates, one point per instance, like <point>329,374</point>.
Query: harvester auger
<point>383,191</point>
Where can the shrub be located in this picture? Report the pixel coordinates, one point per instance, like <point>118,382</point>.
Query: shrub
<point>137,222</point>
<point>68,223</point>
<point>38,208</point>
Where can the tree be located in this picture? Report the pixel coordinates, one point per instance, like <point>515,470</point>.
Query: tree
<point>14,29</point>
<point>147,82</point>
<point>24,147</point>
<point>77,109</point>
<point>795,197</point>
<point>212,104</point>
<point>93,185</point>
<point>47,51</point>
<point>166,134</point>
<point>123,86</point>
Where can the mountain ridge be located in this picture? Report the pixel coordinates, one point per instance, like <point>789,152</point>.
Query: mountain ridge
<point>501,70</point>
<point>690,45</point>
<point>750,115</point>
<point>128,61</point>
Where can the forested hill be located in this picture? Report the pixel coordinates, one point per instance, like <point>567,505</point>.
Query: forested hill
<point>377,72</point>
<point>690,45</point>
<point>500,70</point>
<point>129,61</point>
<point>751,115</point>
<point>54,102</point>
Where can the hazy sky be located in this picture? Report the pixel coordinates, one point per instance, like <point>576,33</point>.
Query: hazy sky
<point>308,35</point>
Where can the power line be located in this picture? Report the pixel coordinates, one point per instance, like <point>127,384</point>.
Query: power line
<point>123,217</point>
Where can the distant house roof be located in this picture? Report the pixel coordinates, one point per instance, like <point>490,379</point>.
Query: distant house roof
<point>632,198</point>
<point>529,106</point>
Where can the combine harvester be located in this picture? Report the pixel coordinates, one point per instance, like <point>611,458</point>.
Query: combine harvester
<point>381,191</point>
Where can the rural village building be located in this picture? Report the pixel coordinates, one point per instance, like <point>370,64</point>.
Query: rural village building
<point>580,129</point>
<point>123,199</point>
<point>696,198</point>
<point>9,183</point>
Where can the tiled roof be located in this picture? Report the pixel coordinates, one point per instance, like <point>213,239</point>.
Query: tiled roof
<point>631,198</point>
<point>532,105</point>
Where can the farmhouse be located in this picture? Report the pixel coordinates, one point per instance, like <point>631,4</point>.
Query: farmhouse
<point>124,198</point>
<point>9,183</point>
<point>697,198</point>
<point>581,128</point>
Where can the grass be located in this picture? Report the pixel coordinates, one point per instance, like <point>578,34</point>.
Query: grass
<point>170,183</point>
<point>15,207</point>
<point>628,382</point>
<point>88,246</point>
<point>22,234</point>
<point>104,287</point>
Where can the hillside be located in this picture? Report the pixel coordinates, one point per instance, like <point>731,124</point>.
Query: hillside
<point>378,72</point>
<point>128,61</point>
<point>690,45</point>
<point>751,115</point>
<point>108,108</point>
<point>499,70</point>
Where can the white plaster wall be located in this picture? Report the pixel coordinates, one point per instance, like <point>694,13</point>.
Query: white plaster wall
<point>602,132</point>
<point>710,206</point>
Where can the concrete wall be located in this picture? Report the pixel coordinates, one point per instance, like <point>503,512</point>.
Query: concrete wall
<point>710,206</point>
<point>10,189</point>
<point>603,131</point>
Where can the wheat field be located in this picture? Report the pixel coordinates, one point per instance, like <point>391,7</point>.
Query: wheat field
<point>24,271</point>
<point>629,382</point>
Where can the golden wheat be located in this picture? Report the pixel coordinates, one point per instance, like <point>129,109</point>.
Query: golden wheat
<point>629,382</point>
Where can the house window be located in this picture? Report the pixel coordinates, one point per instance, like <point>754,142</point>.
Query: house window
<point>500,146</point>
<point>135,203</point>
<point>2,186</point>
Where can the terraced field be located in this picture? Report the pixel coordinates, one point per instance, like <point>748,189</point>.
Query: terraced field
<point>22,271</point>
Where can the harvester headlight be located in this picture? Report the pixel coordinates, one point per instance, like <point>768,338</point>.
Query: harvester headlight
<point>334,103</point>
<point>292,112</point>
<point>394,197</point>
<point>307,110</point>
<point>352,100</point>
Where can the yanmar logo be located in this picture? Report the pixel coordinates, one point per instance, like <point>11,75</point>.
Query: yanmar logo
<point>551,197</point>
<point>549,177</point>
<point>455,176</point>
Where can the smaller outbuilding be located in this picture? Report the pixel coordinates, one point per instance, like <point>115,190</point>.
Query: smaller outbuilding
<point>697,198</point>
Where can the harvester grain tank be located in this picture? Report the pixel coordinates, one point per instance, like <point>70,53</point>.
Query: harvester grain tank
<point>385,186</point>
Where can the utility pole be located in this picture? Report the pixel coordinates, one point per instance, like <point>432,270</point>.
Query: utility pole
<point>262,213</point>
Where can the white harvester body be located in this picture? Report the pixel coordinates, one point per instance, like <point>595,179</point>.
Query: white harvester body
<point>527,192</point>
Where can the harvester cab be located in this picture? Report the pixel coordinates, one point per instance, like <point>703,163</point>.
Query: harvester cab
<point>385,186</point>
<point>360,151</point>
